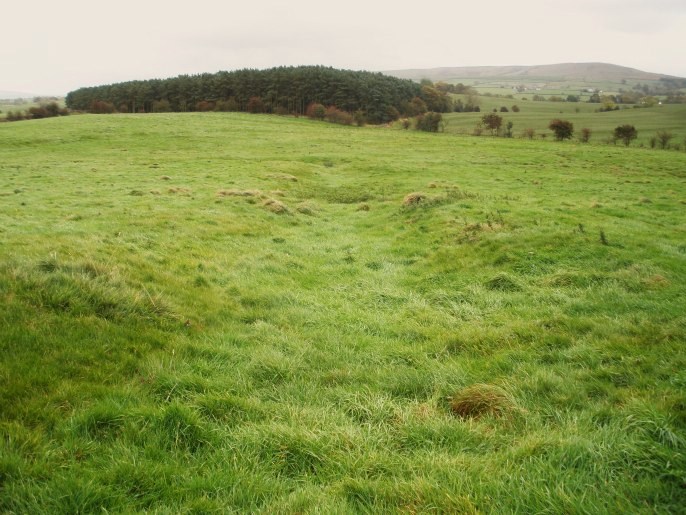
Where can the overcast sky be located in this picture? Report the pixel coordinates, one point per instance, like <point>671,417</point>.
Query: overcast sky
<point>52,47</point>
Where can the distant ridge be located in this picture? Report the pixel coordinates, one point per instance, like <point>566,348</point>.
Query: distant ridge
<point>562,71</point>
<point>9,95</point>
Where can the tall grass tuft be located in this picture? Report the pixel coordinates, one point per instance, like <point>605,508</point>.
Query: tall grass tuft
<point>482,399</point>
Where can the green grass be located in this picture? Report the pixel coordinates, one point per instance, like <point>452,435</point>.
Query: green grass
<point>537,115</point>
<point>172,340</point>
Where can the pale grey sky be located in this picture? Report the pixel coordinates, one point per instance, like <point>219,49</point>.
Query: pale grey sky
<point>54,47</point>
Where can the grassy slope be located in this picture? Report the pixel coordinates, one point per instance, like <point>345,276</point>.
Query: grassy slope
<point>537,115</point>
<point>548,86</point>
<point>164,347</point>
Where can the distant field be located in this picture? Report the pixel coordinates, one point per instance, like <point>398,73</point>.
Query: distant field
<point>8,105</point>
<point>211,313</point>
<point>537,115</point>
<point>548,85</point>
<point>557,79</point>
<point>21,105</point>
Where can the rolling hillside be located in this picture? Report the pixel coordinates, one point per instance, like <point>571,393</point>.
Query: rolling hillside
<point>235,313</point>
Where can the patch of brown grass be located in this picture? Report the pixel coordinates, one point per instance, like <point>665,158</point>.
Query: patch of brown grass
<point>656,281</point>
<point>179,190</point>
<point>239,193</point>
<point>414,199</point>
<point>423,411</point>
<point>471,231</point>
<point>275,206</point>
<point>482,399</point>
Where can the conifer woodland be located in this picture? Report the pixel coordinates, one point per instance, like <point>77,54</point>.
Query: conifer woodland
<point>283,90</point>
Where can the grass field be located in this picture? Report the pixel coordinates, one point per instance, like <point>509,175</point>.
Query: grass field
<point>24,104</point>
<point>537,115</point>
<point>210,313</point>
<point>548,85</point>
<point>10,105</point>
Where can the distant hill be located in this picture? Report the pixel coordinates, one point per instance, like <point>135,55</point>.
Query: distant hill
<point>565,71</point>
<point>10,95</point>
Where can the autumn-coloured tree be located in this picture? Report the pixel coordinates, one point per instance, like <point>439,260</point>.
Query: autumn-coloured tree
<point>437,101</point>
<point>627,133</point>
<point>255,105</point>
<point>38,112</point>
<point>102,107</point>
<point>205,105</point>
<point>335,115</point>
<point>493,122</point>
<point>563,129</point>
<point>52,109</point>
<point>415,107</point>
<point>429,122</point>
<point>316,111</point>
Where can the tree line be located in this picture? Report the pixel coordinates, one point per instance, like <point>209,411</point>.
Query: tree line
<point>281,90</point>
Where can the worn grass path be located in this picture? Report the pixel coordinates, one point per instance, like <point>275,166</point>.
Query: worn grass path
<point>212,313</point>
